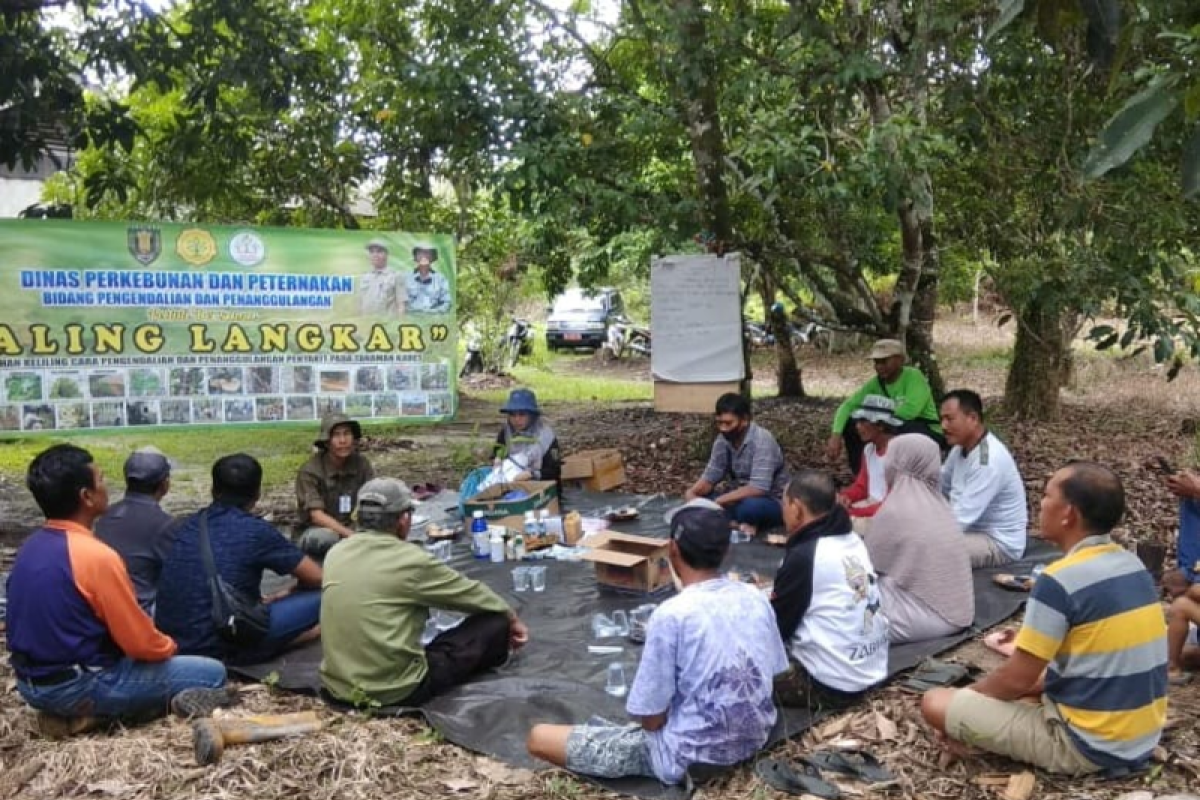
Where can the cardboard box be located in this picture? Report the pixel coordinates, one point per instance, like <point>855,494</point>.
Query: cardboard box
<point>511,513</point>
<point>596,470</point>
<point>631,564</point>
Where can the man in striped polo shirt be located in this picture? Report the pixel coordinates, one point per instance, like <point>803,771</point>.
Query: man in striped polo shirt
<point>1093,645</point>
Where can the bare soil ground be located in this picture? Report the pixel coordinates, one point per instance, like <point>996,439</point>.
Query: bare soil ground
<point>1119,412</point>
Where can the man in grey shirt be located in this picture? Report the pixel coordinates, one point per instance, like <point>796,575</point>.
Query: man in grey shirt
<point>745,474</point>
<point>137,527</point>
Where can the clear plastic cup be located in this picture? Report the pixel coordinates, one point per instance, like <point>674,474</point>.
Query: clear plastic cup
<point>620,622</point>
<point>520,577</point>
<point>537,578</point>
<point>602,626</point>
<point>614,682</point>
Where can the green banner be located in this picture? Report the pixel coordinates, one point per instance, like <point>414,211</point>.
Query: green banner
<point>109,325</point>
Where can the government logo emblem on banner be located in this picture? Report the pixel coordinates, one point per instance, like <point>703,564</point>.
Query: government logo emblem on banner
<point>145,243</point>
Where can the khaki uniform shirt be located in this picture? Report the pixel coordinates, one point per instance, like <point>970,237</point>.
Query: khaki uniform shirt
<point>381,292</point>
<point>320,485</point>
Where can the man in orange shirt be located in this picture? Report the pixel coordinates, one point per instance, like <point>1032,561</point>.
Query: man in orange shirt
<point>83,650</point>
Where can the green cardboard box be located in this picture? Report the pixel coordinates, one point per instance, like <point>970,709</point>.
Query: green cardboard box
<point>511,513</point>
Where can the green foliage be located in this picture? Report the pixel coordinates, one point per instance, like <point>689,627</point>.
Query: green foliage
<point>361,700</point>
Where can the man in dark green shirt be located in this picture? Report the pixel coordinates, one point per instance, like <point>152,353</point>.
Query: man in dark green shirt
<point>377,594</point>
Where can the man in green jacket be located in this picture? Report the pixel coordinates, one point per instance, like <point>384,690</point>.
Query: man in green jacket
<point>904,386</point>
<point>377,594</point>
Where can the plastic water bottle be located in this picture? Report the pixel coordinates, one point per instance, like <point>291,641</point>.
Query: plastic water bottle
<point>496,546</point>
<point>480,545</point>
<point>518,539</point>
<point>543,528</point>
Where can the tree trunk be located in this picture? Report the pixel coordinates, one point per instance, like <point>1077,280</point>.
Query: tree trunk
<point>1041,362</point>
<point>787,371</point>
<point>919,335</point>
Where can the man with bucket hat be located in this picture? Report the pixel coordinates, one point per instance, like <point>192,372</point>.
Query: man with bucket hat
<point>377,595</point>
<point>702,693</point>
<point>380,291</point>
<point>427,290</point>
<point>905,386</point>
<point>137,527</point>
<point>328,483</point>
<point>526,439</point>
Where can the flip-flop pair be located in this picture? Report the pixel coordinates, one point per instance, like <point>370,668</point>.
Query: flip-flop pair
<point>855,763</point>
<point>804,777</point>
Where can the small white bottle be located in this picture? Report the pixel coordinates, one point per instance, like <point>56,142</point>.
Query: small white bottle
<point>496,543</point>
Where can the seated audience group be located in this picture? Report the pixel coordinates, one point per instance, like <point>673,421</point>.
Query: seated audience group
<point>122,624</point>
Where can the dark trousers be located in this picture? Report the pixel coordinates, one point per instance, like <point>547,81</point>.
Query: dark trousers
<point>797,689</point>
<point>480,643</point>
<point>855,445</point>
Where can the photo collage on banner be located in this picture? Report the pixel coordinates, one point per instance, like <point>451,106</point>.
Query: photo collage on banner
<point>111,325</point>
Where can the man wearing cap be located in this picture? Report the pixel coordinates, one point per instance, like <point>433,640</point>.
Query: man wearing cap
<point>876,424</point>
<point>83,651</point>
<point>827,602</point>
<point>702,693</point>
<point>905,386</point>
<point>981,480</point>
<point>428,291</point>
<point>328,483</point>
<point>745,474</point>
<point>377,594</point>
<point>380,290</point>
<point>137,527</point>
<point>242,546</point>
<point>527,440</point>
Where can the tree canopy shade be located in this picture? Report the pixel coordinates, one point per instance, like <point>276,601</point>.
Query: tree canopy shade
<point>866,157</point>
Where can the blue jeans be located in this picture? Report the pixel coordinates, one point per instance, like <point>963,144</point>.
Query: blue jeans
<point>290,617</point>
<point>129,689</point>
<point>1188,545</point>
<point>761,512</point>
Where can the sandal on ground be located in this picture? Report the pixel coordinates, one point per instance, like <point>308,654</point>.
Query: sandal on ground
<point>858,763</point>
<point>1179,678</point>
<point>931,674</point>
<point>804,779</point>
<point>1014,583</point>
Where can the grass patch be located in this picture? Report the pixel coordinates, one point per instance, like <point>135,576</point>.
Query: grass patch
<point>552,386</point>
<point>280,450</point>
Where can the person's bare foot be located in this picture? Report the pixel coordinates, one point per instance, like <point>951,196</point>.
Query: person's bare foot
<point>1003,641</point>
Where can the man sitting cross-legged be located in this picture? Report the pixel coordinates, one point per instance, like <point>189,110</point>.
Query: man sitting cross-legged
<point>982,482</point>
<point>827,602</point>
<point>702,694</point>
<point>1093,645</point>
<point>378,592</point>
<point>82,649</point>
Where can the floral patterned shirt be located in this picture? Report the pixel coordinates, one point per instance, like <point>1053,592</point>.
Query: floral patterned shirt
<point>711,655</point>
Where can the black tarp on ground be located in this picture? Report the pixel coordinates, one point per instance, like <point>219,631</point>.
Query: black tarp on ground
<point>555,679</point>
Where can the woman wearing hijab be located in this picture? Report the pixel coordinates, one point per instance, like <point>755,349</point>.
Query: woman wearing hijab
<point>918,549</point>
<point>528,440</point>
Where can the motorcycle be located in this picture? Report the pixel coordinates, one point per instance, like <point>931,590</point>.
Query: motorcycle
<point>760,335</point>
<point>473,361</point>
<point>518,341</point>
<point>623,335</point>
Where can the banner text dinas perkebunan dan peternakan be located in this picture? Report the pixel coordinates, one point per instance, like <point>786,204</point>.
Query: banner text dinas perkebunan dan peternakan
<point>115,324</point>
